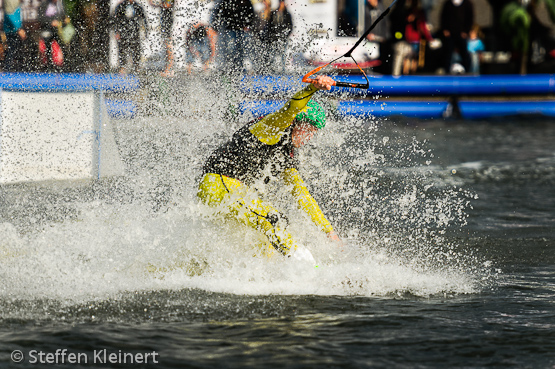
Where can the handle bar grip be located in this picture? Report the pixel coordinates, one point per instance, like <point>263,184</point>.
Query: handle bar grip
<point>352,85</point>
<point>340,84</point>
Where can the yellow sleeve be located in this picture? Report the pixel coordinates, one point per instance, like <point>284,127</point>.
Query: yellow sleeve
<point>270,128</point>
<point>305,200</point>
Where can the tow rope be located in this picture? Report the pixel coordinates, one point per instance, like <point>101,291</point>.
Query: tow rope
<point>348,54</point>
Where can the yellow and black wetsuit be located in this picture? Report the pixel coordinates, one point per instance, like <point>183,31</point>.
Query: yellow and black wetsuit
<point>256,151</point>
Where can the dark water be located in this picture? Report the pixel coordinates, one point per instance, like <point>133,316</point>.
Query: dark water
<point>453,222</point>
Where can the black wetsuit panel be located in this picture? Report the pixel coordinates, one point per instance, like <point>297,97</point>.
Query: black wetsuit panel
<point>246,158</point>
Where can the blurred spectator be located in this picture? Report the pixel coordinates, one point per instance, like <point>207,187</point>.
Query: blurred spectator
<point>51,15</point>
<point>166,25</point>
<point>15,35</point>
<point>102,36</point>
<point>263,15</point>
<point>519,22</point>
<point>401,48</point>
<point>540,33</point>
<point>428,6</point>
<point>278,29</point>
<point>348,18</point>
<point>475,47</point>
<point>372,10</point>
<point>200,42</point>
<point>416,33</point>
<point>380,34</point>
<point>261,52</point>
<point>66,35</point>
<point>457,18</point>
<point>515,22</point>
<point>233,19</point>
<point>128,18</point>
<point>410,30</point>
<point>91,20</point>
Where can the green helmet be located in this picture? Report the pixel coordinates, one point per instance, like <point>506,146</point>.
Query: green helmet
<point>313,114</point>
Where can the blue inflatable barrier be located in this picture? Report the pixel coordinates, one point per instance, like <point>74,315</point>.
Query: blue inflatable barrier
<point>270,84</point>
<point>261,107</point>
<point>121,109</point>
<point>39,82</point>
<point>412,109</point>
<point>539,84</point>
<point>492,109</point>
<point>420,86</point>
<point>419,109</point>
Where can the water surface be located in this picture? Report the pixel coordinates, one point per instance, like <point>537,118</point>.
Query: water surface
<point>449,261</point>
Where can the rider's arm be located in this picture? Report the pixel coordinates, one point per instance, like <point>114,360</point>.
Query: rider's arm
<point>270,128</point>
<point>305,200</point>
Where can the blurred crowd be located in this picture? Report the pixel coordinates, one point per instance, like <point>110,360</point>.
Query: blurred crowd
<point>253,35</point>
<point>74,35</point>
<point>518,39</point>
<point>54,35</point>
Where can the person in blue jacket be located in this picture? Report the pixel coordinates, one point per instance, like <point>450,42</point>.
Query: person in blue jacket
<point>15,35</point>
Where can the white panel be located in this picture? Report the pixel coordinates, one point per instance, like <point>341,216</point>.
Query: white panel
<point>110,160</point>
<point>54,136</point>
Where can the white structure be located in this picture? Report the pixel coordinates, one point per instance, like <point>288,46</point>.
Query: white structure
<point>319,18</point>
<point>56,136</point>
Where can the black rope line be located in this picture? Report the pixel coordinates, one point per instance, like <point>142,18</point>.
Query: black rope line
<point>304,97</point>
<point>274,245</point>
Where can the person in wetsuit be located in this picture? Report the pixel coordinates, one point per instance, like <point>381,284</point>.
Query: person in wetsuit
<point>262,149</point>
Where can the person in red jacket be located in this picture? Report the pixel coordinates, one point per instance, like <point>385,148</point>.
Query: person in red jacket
<point>416,30</point>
